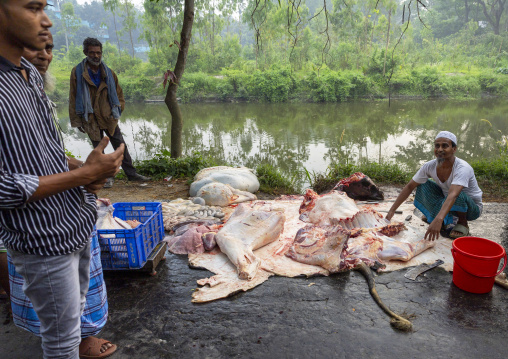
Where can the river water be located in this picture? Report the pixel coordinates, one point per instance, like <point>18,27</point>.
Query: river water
<point>296,136</point>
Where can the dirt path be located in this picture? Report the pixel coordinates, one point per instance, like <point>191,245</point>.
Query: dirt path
<point>152,191</point>
<point>125,191</point>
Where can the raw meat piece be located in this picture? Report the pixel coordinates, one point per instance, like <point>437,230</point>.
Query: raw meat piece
<point>321,246</point>
<point>328,208</point>
<point>192,237</point>
<point>245,231</point>
<point>335,208</point>
<point>133,223</point>
<point>274,262</point>
<point>359,186</point>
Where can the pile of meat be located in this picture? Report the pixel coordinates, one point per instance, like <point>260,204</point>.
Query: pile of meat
<point>339,235</point>
<point>313,235</point>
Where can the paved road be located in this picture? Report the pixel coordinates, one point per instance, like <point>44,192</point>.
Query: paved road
<point>153,317</point>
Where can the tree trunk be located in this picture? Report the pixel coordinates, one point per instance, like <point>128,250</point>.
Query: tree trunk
<point>170,100</point>
<point>213,30</point>
<point>132,43</point>
<point>116,32</point>
<point>130,30</point>
<point>494,17</point>
<point>387,39</point>
<point>466,10</point>
<point>66,39</point>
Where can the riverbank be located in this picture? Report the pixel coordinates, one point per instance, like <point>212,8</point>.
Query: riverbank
<point>491,175</point>
<point>283,85</point>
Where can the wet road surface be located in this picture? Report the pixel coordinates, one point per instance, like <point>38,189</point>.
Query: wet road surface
<point>334,317</point>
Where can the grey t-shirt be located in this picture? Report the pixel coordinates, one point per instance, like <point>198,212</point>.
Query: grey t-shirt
<point>462,175</point>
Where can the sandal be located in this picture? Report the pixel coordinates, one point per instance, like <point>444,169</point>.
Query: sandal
<point>463,230</point>
<point>90,348</point>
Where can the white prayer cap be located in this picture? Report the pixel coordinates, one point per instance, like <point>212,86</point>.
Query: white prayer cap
<point>448,135</point>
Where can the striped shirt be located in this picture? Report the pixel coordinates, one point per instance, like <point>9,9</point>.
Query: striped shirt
<point>30,148</point>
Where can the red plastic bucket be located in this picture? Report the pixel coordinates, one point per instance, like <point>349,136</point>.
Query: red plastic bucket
<point>476,263</point>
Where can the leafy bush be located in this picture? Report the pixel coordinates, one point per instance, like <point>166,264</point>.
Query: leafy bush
<point>137,89</point>
<point>493,83</point>
<point>272,85</point>
<point>162,165</point>
<point>460,85</point>
<point>427,81</point>
<point>197,85</point>
<point>496,169</point>
<point>272,181</point>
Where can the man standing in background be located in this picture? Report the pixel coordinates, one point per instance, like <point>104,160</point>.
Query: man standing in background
<point>96,102</point>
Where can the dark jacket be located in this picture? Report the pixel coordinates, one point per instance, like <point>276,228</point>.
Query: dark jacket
<point>102,117</point>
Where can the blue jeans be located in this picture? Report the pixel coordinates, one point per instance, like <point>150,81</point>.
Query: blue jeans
<point>95,314</point>
<point>57,286</point>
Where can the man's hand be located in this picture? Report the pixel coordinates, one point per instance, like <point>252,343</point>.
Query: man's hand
<point>390,214</point>
<point>101,165</point>
<point>81,129</point>
<point>96,186</point>
<point>433,230</point>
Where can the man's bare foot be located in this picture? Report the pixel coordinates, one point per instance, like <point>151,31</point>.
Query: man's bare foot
<point>460,230</point>
<point>92,347</point>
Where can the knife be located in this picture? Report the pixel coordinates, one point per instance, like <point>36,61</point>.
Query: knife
<point>422,268</point>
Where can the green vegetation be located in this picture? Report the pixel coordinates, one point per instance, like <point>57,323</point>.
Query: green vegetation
<point>490,174</point>
<point>379,173</point>
<point>273,182</point>
<point>279,51</point>
<point>162,165</point>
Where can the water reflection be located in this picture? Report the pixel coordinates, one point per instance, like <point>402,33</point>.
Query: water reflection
<point>294,136</point>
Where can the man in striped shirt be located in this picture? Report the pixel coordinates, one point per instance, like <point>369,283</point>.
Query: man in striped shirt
<point>47,212</point>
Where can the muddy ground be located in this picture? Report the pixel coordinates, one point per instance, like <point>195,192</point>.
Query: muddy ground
<point>321,317</point>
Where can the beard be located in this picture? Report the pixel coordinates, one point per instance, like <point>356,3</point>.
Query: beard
<point>92,62</point>
<point>49,82</point>
<point>440,161</point>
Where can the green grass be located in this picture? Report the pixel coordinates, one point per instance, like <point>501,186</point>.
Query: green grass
<point>273,182</point>
<point>162,165</point>
<point>386,173</point>
<point>492,175</point>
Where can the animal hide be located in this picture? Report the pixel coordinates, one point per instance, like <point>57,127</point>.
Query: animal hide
<point>275,262</point>
<point>221,194</point>
<point>241,178</point>
<point>245,231</point>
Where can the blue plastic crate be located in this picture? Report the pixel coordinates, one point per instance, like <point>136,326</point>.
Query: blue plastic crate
<point>129,248</point>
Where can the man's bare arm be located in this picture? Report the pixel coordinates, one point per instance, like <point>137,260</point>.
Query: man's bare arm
<point>435,227</point>
<point>98,166</point>
<point>403,195</point>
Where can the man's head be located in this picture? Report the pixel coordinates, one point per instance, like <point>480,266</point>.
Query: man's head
<point>24,24</point>
<point>41,59</point>
<point>92,48</point>
<point>445,146</point>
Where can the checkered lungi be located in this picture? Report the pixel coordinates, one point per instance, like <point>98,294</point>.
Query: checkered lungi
<point>95,314</point>
<point>429,199</point>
